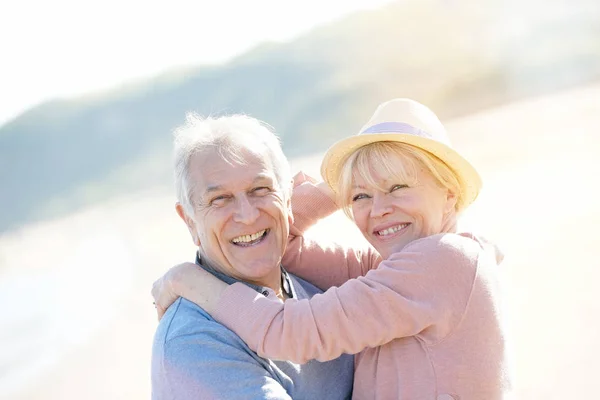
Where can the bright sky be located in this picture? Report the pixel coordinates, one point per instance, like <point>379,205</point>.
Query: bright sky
<point>62,48</point>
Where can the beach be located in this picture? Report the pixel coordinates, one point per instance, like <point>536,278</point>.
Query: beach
<point>75,291</point>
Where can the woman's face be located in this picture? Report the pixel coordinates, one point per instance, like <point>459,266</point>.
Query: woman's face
<point>391,218</point>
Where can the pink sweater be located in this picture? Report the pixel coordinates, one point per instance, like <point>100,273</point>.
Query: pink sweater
<point>424,322</point>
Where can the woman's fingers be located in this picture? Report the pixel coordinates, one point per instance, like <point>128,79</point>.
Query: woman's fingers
<point>160,312</point>
<point>301,177</point>
<point>163,296</point>
<point>168,287</point>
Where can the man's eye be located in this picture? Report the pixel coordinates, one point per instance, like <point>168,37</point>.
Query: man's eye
<point>261,190</point>
<point>360,196</point>
<point>219,201</point>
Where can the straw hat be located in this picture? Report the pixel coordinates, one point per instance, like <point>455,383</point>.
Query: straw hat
<point>405,121</point>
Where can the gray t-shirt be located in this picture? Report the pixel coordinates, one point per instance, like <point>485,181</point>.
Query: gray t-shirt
<point>195,357</point>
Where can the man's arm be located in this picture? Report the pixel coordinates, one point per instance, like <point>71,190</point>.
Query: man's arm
<point>211,363</point>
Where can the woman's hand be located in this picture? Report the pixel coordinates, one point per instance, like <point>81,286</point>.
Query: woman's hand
<point>189,281</point>
<point>301,178</point>
<point>163,289</point>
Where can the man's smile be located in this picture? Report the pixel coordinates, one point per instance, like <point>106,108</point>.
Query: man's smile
<point>250,240</point>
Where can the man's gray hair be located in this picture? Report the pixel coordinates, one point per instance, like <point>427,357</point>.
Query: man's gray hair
<point>230,135</point>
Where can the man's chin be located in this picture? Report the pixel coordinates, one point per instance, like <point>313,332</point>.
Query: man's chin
<point>257,270</point>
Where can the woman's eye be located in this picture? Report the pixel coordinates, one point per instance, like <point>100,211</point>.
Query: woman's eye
<point>397,187</point>
<point>359,196</point>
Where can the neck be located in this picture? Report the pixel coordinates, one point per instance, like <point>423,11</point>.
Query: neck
<point>449,224</point>
<point>272,280</point>
<point>274,284</point>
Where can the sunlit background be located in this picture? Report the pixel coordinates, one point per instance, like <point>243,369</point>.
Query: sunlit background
<point>89,94</point>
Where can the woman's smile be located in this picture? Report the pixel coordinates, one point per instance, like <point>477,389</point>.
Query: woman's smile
<point>391,231</point>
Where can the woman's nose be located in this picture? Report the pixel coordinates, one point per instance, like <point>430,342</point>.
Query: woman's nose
<point>380,205</point>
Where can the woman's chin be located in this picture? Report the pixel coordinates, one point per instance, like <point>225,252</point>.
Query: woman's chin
<point>389,249</point>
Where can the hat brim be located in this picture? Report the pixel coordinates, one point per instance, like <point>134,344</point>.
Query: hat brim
<point>336,156</point>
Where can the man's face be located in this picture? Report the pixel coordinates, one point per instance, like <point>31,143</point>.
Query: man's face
<point>241,216</point>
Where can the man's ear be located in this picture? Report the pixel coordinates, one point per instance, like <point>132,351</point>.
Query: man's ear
<point>189,222</point>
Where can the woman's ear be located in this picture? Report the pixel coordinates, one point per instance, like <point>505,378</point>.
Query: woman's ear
<point>449,220</point>
<point>451,200</point>
<point>189,222</point>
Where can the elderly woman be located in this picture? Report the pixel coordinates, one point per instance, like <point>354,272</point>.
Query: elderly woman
<point>425,322</point>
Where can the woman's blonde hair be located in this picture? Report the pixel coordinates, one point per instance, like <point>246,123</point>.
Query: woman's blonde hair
<point>374,159</point>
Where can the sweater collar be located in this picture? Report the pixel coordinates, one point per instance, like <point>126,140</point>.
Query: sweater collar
<point>286,282</point>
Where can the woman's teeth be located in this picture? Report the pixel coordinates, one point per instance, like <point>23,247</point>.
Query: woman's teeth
<point>391,230</point>
<point>249,238</point>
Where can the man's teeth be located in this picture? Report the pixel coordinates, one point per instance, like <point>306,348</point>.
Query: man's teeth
<point>391,230</point>
<point>249,238</point>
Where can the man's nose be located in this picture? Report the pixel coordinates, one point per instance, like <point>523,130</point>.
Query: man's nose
<point>380,205</point>
<point>246,212</point>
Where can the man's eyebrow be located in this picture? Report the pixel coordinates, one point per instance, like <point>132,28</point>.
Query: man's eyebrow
<point>212,188</point>
<point>217,188</point>
<point>264,177</point>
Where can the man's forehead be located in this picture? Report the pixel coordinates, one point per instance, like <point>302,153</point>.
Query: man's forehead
<point>215,155</point>
<point>211,170</point>
<point>222,185</point>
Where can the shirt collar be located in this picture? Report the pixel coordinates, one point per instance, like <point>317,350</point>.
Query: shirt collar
<point>286,282</point>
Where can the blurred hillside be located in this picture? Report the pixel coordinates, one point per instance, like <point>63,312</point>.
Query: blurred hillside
<point>80,324</point>
<point>455,56</point>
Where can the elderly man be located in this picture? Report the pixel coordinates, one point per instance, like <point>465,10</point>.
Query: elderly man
<point>234,186</point>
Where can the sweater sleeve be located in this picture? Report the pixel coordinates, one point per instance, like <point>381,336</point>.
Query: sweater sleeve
<point>323,264</point>
<point>309,205</point>
<point>422,290</point>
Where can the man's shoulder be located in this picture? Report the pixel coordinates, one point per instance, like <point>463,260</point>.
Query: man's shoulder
<point>193,356</point>
<point>185,319</point>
